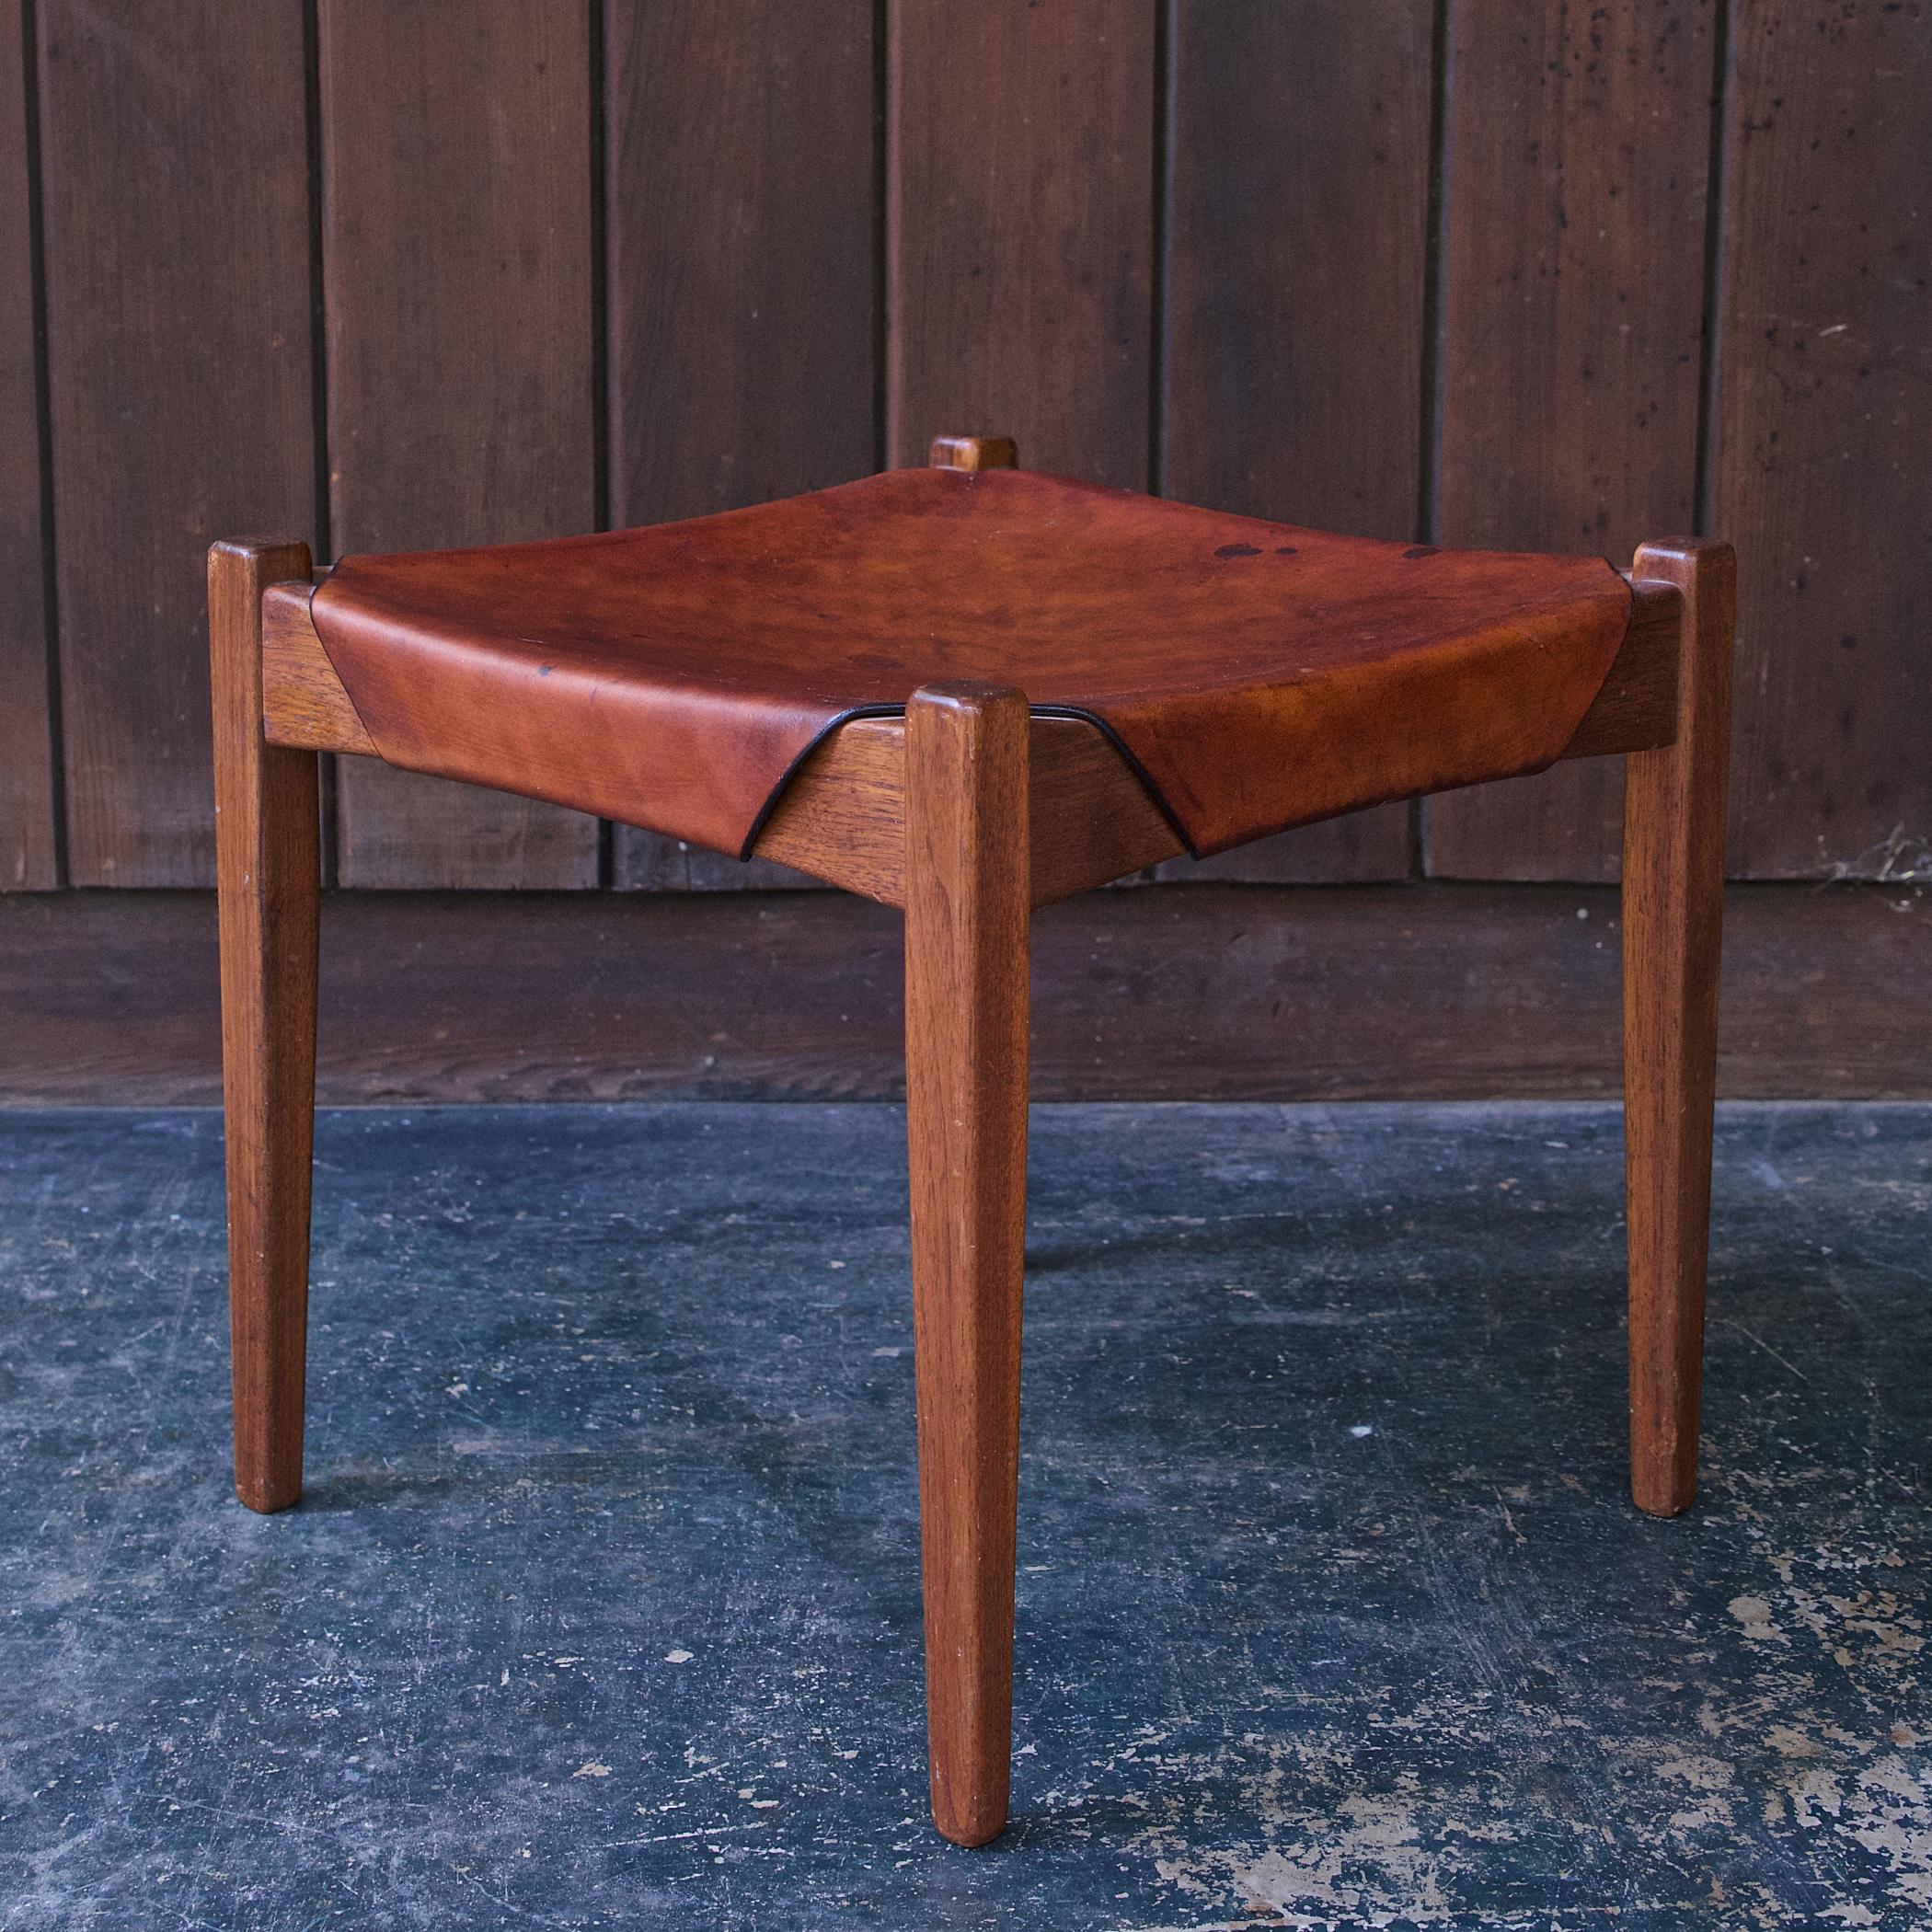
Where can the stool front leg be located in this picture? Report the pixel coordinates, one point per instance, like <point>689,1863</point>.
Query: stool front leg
<point>1673,906</point>
<point>967,912</point>
<point>267,851</point>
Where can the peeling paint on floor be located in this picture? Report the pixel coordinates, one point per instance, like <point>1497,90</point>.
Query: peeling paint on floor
<point>602,1610</point>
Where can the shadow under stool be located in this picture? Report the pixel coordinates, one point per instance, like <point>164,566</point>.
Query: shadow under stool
<point>969,690</point>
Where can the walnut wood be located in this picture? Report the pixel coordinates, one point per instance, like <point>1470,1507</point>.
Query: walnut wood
<point>974,453</point>
<point>1636,708</point>
<point>1672,895</point>
<point>268,865</point>
<point>303,701</point>
<point>966,932</point>
<point>842,818</point>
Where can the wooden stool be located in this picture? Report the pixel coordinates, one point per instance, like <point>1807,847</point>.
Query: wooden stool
<point>967,690</point>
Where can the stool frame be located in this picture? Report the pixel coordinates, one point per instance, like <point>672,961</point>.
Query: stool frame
<point>967,813</point>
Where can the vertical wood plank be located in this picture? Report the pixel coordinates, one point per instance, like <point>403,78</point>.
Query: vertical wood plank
<point>1299,246</point>
<point>742,210</point>
<point>175,173</point>
<point>27,858</point>
<point>1578,155</point>
<point>457,239</point>
<point>1020,229</point>
<point>1824,418</point>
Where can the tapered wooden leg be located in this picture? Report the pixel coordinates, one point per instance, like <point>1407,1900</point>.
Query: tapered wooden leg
<point>966,918</point>
<point>268,872</point>
<point>1672,902</point>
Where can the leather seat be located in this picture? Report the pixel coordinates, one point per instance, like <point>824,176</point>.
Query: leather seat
<point>1254,675</point>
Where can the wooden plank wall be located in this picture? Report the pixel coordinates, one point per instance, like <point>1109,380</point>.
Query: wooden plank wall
<point>174,204</point>
<point>27,838</point>
<point>458,140</point>
<point>1573,289</point>
<point>1507,275</point>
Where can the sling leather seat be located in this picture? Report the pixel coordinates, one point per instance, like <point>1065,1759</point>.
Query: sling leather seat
<point>1254,675</point>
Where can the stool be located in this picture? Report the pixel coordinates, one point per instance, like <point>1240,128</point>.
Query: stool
<point>969,690</point>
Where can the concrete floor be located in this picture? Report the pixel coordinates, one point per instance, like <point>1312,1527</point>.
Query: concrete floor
<point>602,1608</point>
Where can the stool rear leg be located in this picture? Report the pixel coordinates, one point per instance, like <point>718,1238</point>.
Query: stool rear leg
<point>1673,905</point>
<point>966,970</point>
<point>268,872</point>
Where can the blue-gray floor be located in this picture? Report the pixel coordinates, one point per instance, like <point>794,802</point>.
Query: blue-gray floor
<point>602,1608</point>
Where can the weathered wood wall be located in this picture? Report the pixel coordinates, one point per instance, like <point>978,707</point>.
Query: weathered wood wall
<point>386,273</point>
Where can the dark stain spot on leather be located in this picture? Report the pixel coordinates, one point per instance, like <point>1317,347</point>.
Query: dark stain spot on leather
<point>1238,550</point>
<point>545,670</point>
<point>1416,551</point>
<point>1286,550</point>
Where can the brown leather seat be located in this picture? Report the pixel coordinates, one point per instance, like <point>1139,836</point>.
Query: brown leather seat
<point>1256,675</point>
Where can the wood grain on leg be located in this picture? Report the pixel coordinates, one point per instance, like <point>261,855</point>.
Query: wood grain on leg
<point>267,870</point>
<point>1672,895</point>
<point>966,1110</point>
<point>974,453</point>
<point>302,702</point>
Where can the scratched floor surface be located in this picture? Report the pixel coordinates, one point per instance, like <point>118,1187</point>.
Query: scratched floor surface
<point>600,1609</point>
